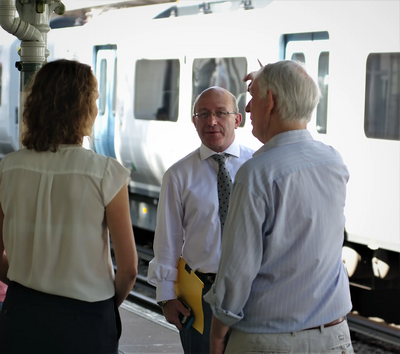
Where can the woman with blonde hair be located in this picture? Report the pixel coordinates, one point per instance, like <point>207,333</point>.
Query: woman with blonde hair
<point>59,203</point>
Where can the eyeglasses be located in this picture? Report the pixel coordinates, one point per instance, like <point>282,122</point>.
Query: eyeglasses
<point>218,114</point>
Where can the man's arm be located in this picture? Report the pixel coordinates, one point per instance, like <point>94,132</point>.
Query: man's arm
<point>218,336</point>
<point>168,242</point>
<point>3,257</point>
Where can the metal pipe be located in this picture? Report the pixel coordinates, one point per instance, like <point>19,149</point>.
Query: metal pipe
<point>14,25</point>
<point>31,28</point>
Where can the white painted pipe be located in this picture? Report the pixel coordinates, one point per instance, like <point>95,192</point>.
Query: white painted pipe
<point>14,25</point>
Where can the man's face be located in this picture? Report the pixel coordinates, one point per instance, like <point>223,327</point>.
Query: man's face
<point>256,108</point>
<point>216,133</point>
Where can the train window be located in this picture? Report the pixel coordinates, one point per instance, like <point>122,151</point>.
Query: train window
<point>224,72</point>
<point>157,98</point>
<point>298,57</point>
<point>103,87</point>
<point>323,83</point>
<point>382,96</point>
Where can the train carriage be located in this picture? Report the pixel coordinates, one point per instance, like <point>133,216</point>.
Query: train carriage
<point>157,59</point>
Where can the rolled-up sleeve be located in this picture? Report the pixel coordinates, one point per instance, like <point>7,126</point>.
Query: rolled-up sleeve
<point>225,316</point>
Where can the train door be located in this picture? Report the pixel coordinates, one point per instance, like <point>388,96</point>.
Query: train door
<point>312,49</point>
<point>104,126</point>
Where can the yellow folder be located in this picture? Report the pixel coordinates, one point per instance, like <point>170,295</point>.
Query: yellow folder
<point>190,288</point>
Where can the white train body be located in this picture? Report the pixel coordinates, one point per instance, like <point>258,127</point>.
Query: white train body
<point>352,48</point>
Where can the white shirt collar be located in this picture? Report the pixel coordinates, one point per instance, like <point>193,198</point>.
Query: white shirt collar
<point>233,150</point>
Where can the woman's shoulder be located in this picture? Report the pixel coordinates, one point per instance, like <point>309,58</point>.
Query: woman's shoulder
<point>80,153</point>
<point>15,156</point>
<point>101,163</point>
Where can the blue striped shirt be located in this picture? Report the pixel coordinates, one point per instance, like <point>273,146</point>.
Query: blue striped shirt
<point>281,268</point>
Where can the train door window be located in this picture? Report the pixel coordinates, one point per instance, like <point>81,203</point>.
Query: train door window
<point>157,89</point>
<point>104,126</point>
<point>382,96</point>
<point>1,81</point>
<point>114,102</point>
<point>312,49</point>
<point>102,78</point>
<point>224,72</point>
<point>323,83</point>
<point>102,86</point>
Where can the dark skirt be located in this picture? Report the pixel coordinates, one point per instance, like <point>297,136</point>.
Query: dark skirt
<point>36,322</point>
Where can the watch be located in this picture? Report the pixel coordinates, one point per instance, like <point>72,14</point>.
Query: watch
<point>162,303</point>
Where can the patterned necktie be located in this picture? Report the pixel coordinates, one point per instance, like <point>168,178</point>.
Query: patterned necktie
<point>224,187</point>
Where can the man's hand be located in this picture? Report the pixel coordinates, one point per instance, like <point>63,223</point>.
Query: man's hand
<point>250,76</point>
<point>171,311</point>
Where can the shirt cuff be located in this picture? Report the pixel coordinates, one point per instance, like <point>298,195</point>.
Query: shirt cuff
<point>165,291</point>
<point>226,317</point>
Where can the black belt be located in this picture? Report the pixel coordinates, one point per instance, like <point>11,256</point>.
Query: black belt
<point>206,277</point>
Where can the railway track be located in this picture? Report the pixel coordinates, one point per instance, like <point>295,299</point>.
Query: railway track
<point>144,293</point>
<point>377,332</point>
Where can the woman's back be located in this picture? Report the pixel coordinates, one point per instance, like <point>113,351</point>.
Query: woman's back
<point>54,229</point>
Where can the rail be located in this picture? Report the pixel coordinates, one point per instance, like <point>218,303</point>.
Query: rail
<point>373,329</point>
<point>144,293</point>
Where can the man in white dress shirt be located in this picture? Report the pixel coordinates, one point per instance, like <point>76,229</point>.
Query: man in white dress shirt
<point>188,222</point>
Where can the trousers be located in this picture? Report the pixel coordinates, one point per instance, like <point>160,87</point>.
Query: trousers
<point>333,340</point>
<point>35,322</point>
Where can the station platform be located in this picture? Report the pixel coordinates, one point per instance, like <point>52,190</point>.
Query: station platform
<point>144,331</point>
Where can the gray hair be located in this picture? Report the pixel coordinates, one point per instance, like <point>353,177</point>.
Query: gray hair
<point>295,92</point>
<point>234,100</point>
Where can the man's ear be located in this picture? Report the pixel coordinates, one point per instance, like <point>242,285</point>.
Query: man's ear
<point>270,100</point>
<point>238,120</point>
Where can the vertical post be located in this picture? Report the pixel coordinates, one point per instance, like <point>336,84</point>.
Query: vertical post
<point>34,53</point>
<point>33,56</point>
<point>31,28</point>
